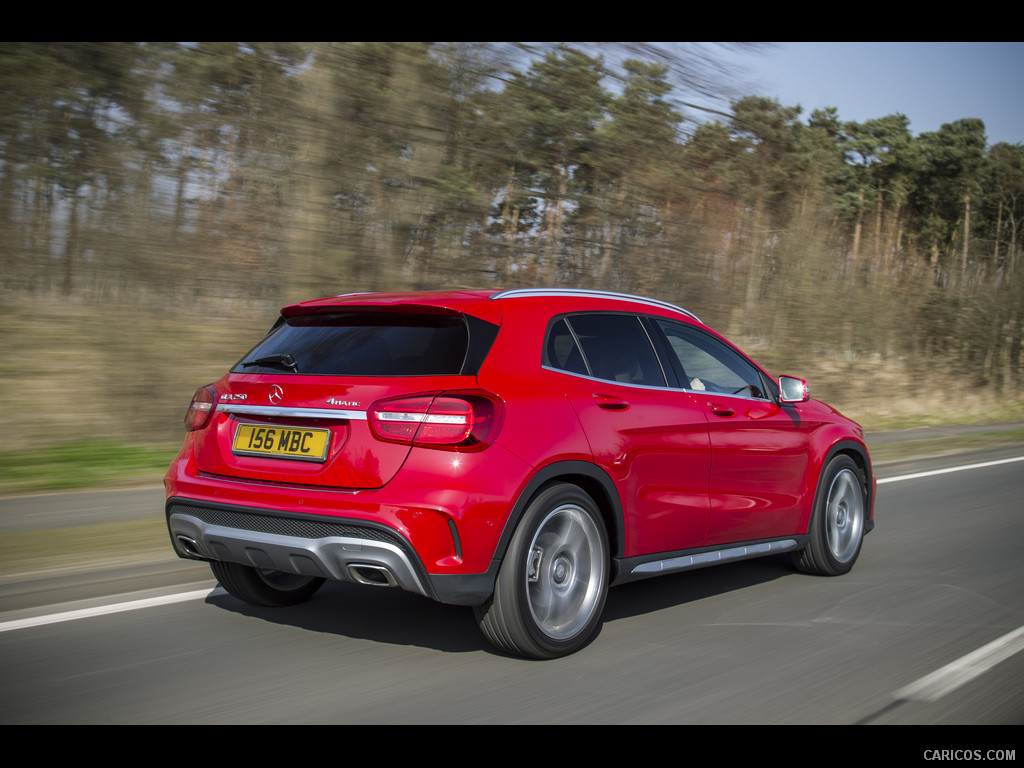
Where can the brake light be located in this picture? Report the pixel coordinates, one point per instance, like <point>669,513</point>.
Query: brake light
<point>448,420</point>
<point>204,401</point>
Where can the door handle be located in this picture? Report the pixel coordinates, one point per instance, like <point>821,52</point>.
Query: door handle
<point>610,402</point>
<point>721,410</point>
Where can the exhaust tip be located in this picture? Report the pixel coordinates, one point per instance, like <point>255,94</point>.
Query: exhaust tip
<point>373,575</point>
<point>188,545</point>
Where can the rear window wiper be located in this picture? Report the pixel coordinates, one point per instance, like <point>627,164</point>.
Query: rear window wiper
<point>279,361</point>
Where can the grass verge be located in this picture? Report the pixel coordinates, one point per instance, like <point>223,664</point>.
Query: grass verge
<point>81,464</point>
<point>909,449</point>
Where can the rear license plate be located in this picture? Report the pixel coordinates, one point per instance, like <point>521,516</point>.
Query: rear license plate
<point>282,442</point>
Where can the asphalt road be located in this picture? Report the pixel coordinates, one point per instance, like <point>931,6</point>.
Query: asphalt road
<point>747,643</point>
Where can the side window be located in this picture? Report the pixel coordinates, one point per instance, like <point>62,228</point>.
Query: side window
<point>614,347</point>
<point>561,350</point>
<point>705,364</point>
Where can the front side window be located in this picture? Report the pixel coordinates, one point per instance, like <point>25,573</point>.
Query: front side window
<point>613,347</point>
<point>705,364</point>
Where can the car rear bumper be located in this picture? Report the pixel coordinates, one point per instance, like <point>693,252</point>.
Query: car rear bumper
<point>339,549</point>
<point>331,549</point>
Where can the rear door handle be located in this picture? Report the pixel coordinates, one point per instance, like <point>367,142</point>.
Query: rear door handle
<point>610,402</point>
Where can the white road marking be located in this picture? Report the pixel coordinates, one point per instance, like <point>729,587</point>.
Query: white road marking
<point>961,468</point>
<point>102,610</point>
<point>946,679</point>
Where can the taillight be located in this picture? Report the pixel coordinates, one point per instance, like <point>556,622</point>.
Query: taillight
<point>449,420</point>
<point>199,412</point>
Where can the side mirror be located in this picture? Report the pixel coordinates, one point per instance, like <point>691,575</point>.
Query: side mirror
<point>793,390</point>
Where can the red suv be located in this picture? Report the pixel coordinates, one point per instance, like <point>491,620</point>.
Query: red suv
<point>516,451</point>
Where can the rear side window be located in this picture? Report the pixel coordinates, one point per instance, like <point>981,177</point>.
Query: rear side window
<point>562,351</point>
<point>614,347</point>
<point>370,344</point>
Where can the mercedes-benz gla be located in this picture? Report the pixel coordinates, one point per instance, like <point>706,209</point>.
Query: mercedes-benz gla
<point>515,451</point>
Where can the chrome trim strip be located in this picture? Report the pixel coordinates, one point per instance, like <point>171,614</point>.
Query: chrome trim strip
<point>583,292</point>
<point>663,388</point>
<point>612,382</point>
<point>298,413</point>
<point>733,395</point>
<point>714,557</point>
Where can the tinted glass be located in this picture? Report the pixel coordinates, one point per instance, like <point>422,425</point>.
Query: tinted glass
<point>562,351</point>
<point>616,348</point>
<point>707,365</point>
<point>362,344</point>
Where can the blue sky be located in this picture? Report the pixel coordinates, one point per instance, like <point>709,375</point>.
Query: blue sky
<point>930,83</point>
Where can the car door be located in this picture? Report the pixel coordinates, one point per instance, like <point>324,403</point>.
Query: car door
<point>651,439</point>
<point>759,450</point>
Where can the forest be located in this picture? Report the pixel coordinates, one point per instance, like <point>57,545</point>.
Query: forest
<point>159,202</point>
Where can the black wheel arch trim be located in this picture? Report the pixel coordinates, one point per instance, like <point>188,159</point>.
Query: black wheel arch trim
<point>475,589</point>
<point>863,458</point>
<point>588,476</point>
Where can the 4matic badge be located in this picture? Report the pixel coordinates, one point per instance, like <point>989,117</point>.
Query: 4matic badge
<point>346,403</point>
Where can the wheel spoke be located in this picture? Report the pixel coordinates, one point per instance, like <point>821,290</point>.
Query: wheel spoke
<point>844,515</point>
<point>542,600</point>
<point>564,588</point>
<point>575,537</point>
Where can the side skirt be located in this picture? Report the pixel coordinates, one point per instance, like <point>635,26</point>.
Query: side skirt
<point>646,566</point>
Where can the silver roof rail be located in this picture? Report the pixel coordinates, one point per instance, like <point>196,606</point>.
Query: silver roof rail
<point>521,292</point>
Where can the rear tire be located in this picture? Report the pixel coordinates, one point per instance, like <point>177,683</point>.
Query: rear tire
<point>837,523</point>
<point>259,586</point>
<point>551,588</point>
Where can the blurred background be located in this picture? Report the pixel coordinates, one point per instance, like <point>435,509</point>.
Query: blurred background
<point>160,201</point>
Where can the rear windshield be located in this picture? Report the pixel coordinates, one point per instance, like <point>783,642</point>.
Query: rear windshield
<point>367,344</point>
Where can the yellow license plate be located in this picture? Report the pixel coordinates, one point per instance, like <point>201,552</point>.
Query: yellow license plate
<point>282,442</point>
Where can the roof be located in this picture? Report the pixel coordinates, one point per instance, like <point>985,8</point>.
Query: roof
<point>482,303</point>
